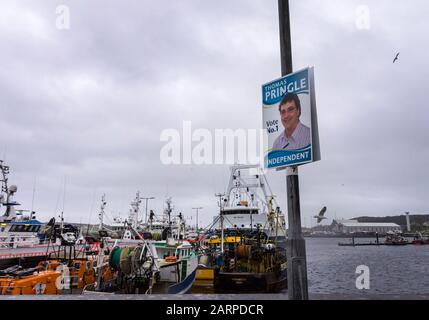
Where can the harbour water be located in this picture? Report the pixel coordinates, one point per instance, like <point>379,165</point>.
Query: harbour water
<point>393,270</point>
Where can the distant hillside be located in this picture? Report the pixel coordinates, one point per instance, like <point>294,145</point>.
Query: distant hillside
<point>416,220</point>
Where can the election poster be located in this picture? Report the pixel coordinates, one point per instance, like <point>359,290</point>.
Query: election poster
<point>290,121</point>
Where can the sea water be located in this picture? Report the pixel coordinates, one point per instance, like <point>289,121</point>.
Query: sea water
<point>392,269</point>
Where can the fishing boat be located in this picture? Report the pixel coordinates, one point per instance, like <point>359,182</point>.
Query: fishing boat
<point>246,250</point>
<point>18,281</point>
<point>248,204</point>
<point>395,239</point>
<point>114,229</point>
<point>147,266</point>
<point>21,238</point>
<point>156,227</point>
<point>21,234</point>
<point>160,227</point>
<point>421,239</point>
<point>250,263</point>
<point>140,270</point>
<point>48,277</point>
<point>65,270</point>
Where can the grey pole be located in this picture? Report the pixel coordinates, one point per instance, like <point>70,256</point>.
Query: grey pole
<point>296,256</point>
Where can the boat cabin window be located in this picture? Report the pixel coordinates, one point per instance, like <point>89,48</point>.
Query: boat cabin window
<point>17,228</point>
<point>226,212</point>
<point>24,228</point>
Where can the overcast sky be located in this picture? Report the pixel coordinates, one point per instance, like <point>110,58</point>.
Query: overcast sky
<point>83,108</point>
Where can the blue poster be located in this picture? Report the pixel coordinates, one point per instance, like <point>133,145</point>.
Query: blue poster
<point>287,116</point>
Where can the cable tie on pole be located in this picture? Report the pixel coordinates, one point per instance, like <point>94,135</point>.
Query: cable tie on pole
<point>292,171</point>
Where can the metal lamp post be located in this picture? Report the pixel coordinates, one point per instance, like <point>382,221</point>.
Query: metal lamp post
<point>296,255</point>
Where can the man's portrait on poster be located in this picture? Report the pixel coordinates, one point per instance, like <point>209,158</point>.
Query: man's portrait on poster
<point>295,135</point>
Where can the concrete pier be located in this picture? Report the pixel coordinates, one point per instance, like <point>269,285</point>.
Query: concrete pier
<point>222,297</point>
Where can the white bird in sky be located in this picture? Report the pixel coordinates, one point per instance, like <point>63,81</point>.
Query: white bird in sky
<point>320,217</point>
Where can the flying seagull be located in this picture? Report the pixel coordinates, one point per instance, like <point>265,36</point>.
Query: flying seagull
<point>320,217</point>
<point>396,58</point>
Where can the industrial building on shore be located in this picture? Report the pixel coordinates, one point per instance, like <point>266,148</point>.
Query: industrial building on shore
<point>354,226</point>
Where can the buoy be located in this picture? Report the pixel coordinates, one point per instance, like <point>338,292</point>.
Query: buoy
<point>115,258</point>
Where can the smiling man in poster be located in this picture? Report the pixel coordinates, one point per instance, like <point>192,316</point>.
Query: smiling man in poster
<point>296,135</point>
<point>289,116</point>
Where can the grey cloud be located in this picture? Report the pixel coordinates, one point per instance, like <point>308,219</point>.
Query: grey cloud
<point>90,103</point>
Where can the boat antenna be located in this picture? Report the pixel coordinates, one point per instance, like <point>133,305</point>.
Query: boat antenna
<point>90,213</point>
<point>101,214</point>
<point>64,194</point>
<point>34,191</point>
<point>58,201</point>
<point>5,152</point>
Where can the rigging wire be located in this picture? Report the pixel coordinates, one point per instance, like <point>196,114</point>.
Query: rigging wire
<point>90,213</point>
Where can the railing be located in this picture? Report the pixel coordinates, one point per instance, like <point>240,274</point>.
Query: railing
<point>19,241</point>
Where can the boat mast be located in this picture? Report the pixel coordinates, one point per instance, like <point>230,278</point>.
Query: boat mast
<point>8,191</point>
<point>251,212</point>
<point>4,189</point>
<point>168,210</point>
<point>220,195</point>
<point>168,213</point>
<point>62,223</point>
<point>151,215</point>
<point>134,211</point>
<point>101,214</point>
<point>182,227</point>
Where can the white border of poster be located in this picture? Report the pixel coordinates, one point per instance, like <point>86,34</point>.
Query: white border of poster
<point>302,146</point>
